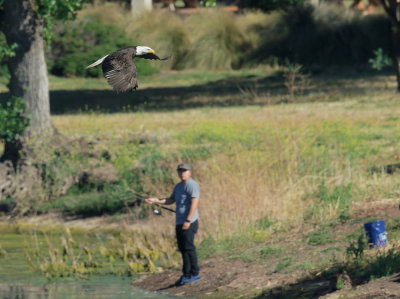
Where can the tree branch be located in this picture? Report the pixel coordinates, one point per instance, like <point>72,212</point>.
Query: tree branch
<point>390,13</point>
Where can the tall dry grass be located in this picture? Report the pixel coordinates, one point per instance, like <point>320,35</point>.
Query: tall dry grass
<point>212,40</point>
<point>294,164</point>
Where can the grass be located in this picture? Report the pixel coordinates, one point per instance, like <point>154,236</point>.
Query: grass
<point>296,155</point>
<point>284,262</point>
<point>266,171</point>
<point>279,172</point>
<point>165,79</point>
<point>320,237</point>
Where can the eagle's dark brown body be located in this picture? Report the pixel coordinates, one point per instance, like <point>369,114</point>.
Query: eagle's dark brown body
<point>119,69</point>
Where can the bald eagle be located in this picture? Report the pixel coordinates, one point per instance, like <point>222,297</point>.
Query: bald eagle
<point>119,69</point>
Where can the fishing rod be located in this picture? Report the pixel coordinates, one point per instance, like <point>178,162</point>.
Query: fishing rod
<point>155,211</point>
<point>132,194</point>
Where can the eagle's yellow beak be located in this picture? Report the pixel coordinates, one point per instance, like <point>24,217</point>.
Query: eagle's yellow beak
<point>152,51</point>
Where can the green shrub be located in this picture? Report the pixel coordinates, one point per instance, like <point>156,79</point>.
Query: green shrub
<point>324,35</point>
<point>78,44</point>
<point>340,283</point>
<point>380,60</point>
<point>93,204</point>
<point>385,264</point>
<point>356,248</point>
<point>13,120</point>
<point>6,51</point>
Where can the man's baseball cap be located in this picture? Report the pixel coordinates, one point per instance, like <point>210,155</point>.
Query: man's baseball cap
<point>183,166</point>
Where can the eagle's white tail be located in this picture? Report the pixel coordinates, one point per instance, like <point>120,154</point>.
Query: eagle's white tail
<point>97,62</point>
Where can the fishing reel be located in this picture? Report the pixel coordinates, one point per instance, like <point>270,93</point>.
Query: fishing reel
<point>157,209</point>
<point>157,212</point>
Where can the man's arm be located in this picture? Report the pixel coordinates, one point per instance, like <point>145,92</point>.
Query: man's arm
<point>162,201</point>
<point>193,207</point>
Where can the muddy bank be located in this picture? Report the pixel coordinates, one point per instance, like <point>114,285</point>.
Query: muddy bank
<point>227,279</point>
<point>227,276</point>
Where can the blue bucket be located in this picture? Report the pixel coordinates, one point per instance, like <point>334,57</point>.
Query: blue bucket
<point>376,234</point>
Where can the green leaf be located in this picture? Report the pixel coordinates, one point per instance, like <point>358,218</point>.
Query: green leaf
<point>51,10</point>
<point>13,120</point>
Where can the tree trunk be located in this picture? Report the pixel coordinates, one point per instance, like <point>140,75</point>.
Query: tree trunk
<point>396,54</point>
<point>28,68</point>
<point>392,9</point>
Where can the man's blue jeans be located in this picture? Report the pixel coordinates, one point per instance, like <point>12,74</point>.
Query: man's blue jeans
<point>186,246</point>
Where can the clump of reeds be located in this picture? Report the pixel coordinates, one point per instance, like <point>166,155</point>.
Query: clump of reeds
<point>141,251</point>
<point>218,41</point>
<point>64,259</point>
<point>123,253</point>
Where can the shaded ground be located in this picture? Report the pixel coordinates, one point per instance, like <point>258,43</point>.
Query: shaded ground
<point>228,277</point>
<point>388,287</point>
<point>232,91</point>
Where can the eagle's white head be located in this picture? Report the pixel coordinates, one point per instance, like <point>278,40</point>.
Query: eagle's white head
<point>141,50</point>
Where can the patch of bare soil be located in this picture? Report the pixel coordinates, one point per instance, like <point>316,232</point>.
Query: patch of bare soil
<point>387,287</point>
<point>228,278</point>
<point>219,276</point>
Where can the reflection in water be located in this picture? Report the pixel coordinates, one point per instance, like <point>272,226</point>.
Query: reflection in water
<point>71,290</point>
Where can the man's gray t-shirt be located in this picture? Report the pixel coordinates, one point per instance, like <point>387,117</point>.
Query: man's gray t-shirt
<point>183,194</point>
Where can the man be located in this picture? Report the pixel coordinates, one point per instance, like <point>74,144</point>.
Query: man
<point>186,195</point>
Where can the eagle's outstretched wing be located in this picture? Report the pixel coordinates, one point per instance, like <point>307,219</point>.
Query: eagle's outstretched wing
<point>120,71</point>
<point>154,56</point>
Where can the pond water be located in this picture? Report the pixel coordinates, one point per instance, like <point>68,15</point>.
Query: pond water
<point>18,281</point>
<point>95,288</point>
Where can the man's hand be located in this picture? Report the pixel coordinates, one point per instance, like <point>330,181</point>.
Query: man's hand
<point>152,200</point>
<point>186,225</point>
